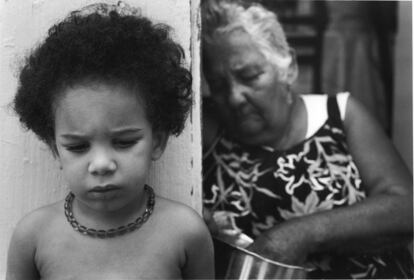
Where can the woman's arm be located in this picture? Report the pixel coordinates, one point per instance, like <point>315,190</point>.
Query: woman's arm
<point>21,254</point>
<point>384,219</point>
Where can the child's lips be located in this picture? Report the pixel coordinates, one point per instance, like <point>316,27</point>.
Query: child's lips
<point>104,189</point>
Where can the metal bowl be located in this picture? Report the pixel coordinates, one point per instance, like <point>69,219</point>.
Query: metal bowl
<point>234,262</point>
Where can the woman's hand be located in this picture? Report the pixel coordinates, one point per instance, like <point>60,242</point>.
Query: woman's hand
<point>211,224</point>
<point>287,243</point>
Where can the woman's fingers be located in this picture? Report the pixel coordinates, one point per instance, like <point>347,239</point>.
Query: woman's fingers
<point>211,224</point>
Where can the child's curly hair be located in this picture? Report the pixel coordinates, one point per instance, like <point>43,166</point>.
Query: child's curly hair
<point>124,49</point>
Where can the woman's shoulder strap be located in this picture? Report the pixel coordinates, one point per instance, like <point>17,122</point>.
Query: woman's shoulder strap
<point>337,106</point>
<point>316,112</point>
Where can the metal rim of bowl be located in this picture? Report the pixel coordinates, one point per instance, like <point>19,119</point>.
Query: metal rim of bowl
<point>266,259</point>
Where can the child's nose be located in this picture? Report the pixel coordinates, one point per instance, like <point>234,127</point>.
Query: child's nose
<point>102,163</point>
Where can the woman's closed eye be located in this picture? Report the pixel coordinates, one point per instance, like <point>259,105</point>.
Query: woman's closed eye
<point>250,76</point>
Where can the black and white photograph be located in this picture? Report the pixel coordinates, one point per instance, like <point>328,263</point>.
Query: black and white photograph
<point>206,139</point>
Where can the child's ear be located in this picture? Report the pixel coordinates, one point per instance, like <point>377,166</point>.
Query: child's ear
<point>159,143</point>
<point>53,148</point>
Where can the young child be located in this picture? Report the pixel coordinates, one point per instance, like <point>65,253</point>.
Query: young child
<point>104,91</point>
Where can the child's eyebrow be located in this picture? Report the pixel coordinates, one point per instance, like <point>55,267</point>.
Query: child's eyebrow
<point>120,131</point>
<point>72,136</point>
<point>128,130</point>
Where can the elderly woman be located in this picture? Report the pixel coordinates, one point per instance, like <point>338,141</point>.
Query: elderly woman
<point>309,178</point>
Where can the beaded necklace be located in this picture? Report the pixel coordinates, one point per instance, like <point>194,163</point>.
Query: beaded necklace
<point>113,231</point>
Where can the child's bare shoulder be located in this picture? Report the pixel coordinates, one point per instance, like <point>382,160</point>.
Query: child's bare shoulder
<point>35,222</point>
<point>25,240</point>
<point>181,218</point>
<point>178,214</point>
<point>187,228</point>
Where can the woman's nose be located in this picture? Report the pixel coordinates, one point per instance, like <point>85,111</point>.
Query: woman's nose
<point>102,163</point>
<point>237,94</point>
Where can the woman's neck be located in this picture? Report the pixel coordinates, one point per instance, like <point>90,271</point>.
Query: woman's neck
<point>294,130</point>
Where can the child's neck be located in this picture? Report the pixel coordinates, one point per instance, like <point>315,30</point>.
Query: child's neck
<point>92,218</point>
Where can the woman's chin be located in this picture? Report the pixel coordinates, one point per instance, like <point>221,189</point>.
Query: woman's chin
<point>249,132</point>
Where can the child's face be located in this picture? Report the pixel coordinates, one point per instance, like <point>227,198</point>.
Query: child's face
<point>105,144</point>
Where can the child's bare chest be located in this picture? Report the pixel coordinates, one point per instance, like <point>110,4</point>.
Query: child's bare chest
<point>137,256</point>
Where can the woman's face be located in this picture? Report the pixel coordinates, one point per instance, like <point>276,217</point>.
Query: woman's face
<point>244,84</point>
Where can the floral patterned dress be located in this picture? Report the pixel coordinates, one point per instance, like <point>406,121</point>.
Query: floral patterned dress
<point>255,188</point>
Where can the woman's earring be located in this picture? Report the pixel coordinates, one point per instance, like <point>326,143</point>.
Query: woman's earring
<point>289,97</point>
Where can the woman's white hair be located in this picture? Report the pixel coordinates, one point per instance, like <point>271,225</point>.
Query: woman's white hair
<point>225,16</point>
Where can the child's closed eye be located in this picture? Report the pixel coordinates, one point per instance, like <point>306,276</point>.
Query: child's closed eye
<point>125,143</point>
<point>77,148</point>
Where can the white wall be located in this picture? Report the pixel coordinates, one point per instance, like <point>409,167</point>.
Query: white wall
<point>403,90</point>
<point>29,176</point>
